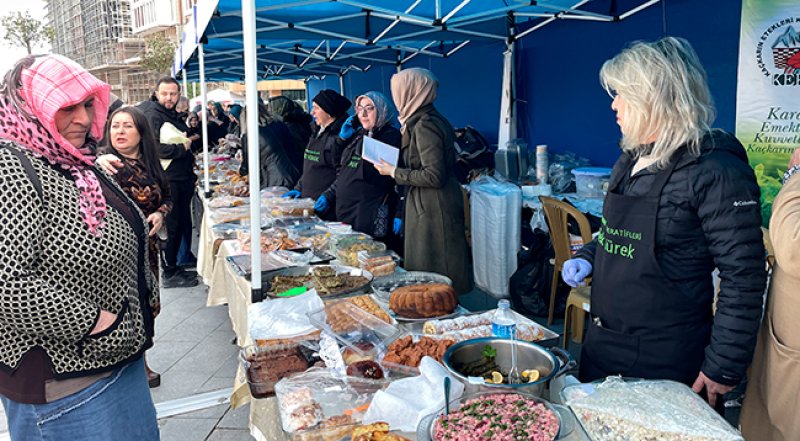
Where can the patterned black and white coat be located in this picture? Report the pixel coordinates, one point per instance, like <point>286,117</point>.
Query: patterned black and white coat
<point>56,276</point>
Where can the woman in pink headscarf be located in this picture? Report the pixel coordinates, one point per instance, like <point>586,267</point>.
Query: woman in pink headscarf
<point>435,235</point>
<point>76,295</point>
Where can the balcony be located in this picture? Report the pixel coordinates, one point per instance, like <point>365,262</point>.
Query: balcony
<point>150,16</point>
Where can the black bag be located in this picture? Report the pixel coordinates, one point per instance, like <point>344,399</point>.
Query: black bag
<point>473,152</point>
<point>529,286</point>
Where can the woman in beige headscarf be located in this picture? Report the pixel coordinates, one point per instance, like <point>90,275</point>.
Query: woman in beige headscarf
<point>435,236</point>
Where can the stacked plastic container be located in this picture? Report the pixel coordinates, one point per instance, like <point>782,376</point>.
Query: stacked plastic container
<point>495,218</point>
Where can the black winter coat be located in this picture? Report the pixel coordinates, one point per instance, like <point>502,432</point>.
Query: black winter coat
<point>710,216</point>
<point>181,167</point>
<point>277,170</point>
<point>359,190</point>
<point>299,125</point>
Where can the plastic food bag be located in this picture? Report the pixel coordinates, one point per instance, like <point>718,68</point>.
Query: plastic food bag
<point>283,318</point>
<point>318,402</point>
<point>405,402</point>
<point>643,410</point>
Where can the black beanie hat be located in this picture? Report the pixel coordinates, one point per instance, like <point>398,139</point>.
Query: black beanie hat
<point>332,103</point>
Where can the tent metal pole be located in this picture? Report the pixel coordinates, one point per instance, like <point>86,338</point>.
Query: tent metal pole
<point>251,101</point>
<point>204,117</point>
<point>638,8</point>
<point>341,84</point>
<point>508,114</point>
<point>185,83</point>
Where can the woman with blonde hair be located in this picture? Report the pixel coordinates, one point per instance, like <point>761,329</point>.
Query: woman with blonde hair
<point>682,200</point>
<point>435,235</point>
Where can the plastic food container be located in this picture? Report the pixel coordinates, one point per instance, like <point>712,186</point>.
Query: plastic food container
<point>591,182</point>
<point>347,250</point>
<point>355,328</point>
<point>379,263</point>
<point>293,208</point>
<point>266,365</point>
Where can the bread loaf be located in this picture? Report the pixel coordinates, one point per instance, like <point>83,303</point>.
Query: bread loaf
<point>423,301</point>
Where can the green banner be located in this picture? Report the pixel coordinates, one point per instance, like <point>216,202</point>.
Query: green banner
<point>768,91</point>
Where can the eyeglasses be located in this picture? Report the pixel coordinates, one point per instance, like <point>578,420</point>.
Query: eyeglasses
<point>367,109</point>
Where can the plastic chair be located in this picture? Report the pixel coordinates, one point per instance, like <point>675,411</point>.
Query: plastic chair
<point>558,214</point>
<point>575,315</point>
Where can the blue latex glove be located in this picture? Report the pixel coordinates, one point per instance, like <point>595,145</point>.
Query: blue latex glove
<point>321,205</point>
<point>293,194</point>
<point>575,270</point>
<point>347,130</point>
<point>398,226</point>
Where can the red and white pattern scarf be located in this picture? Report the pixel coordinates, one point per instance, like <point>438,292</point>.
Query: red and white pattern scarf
<point>50,84</point>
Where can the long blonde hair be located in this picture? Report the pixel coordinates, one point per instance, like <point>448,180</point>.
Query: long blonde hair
<point>666,97</point>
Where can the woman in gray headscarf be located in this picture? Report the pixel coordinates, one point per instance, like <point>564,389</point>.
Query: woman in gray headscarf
<point>365,199</point>
<point>435,235</point>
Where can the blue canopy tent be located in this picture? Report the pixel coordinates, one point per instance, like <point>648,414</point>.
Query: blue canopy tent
<point>249,40</point>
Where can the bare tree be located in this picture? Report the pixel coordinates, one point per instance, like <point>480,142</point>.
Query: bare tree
<point>25,31</point>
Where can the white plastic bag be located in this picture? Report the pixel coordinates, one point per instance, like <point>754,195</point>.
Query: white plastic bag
<point>405,402</point>
<point>169,134</point>
<point>283,318</point>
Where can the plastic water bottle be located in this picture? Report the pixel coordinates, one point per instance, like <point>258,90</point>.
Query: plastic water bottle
<point>503,323</point>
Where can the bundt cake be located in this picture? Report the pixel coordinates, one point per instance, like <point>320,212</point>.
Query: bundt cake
<point>423,301</point>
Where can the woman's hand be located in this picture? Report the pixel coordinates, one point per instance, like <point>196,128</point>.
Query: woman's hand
<point>105,320</point>
<point>156,221</point>
<point>712,388</point>
<point>109,163</point>
<point>385,168</point>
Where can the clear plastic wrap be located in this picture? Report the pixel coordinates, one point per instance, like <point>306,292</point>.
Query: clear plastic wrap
<point>283,318</point>
<point>313,238</point>
<point>646,410</point>
<point>379,263</point>
<point>273,192</point>
<point>347,248</point>
<point>230,214</point>
<point>224,201</point>
<point>318,404</point>
<point>480,325</point>
<point>560,172</point>
<point>266,365</point>
<point>292,208</point>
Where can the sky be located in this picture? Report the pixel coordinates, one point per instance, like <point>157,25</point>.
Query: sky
<point>8,54</point>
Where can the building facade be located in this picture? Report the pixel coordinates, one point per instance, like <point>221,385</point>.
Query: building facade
<point>100,35</point>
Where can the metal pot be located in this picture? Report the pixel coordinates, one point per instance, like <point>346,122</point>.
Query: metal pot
<point>425,431</point>
<point>550,363</point>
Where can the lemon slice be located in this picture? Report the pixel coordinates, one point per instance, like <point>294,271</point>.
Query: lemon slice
<point>497,377</point>
<point>531,374</point>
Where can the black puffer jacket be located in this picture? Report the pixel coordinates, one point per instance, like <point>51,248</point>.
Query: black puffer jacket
<point>710,216</point>
<point>274,143</point>
<point>181,167</point>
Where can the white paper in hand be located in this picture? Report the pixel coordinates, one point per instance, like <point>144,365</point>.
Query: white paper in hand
<point>169,134</point>
<point>374,151</point>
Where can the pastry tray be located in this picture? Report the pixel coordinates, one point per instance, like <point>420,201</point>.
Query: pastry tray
<point>266,281</point>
